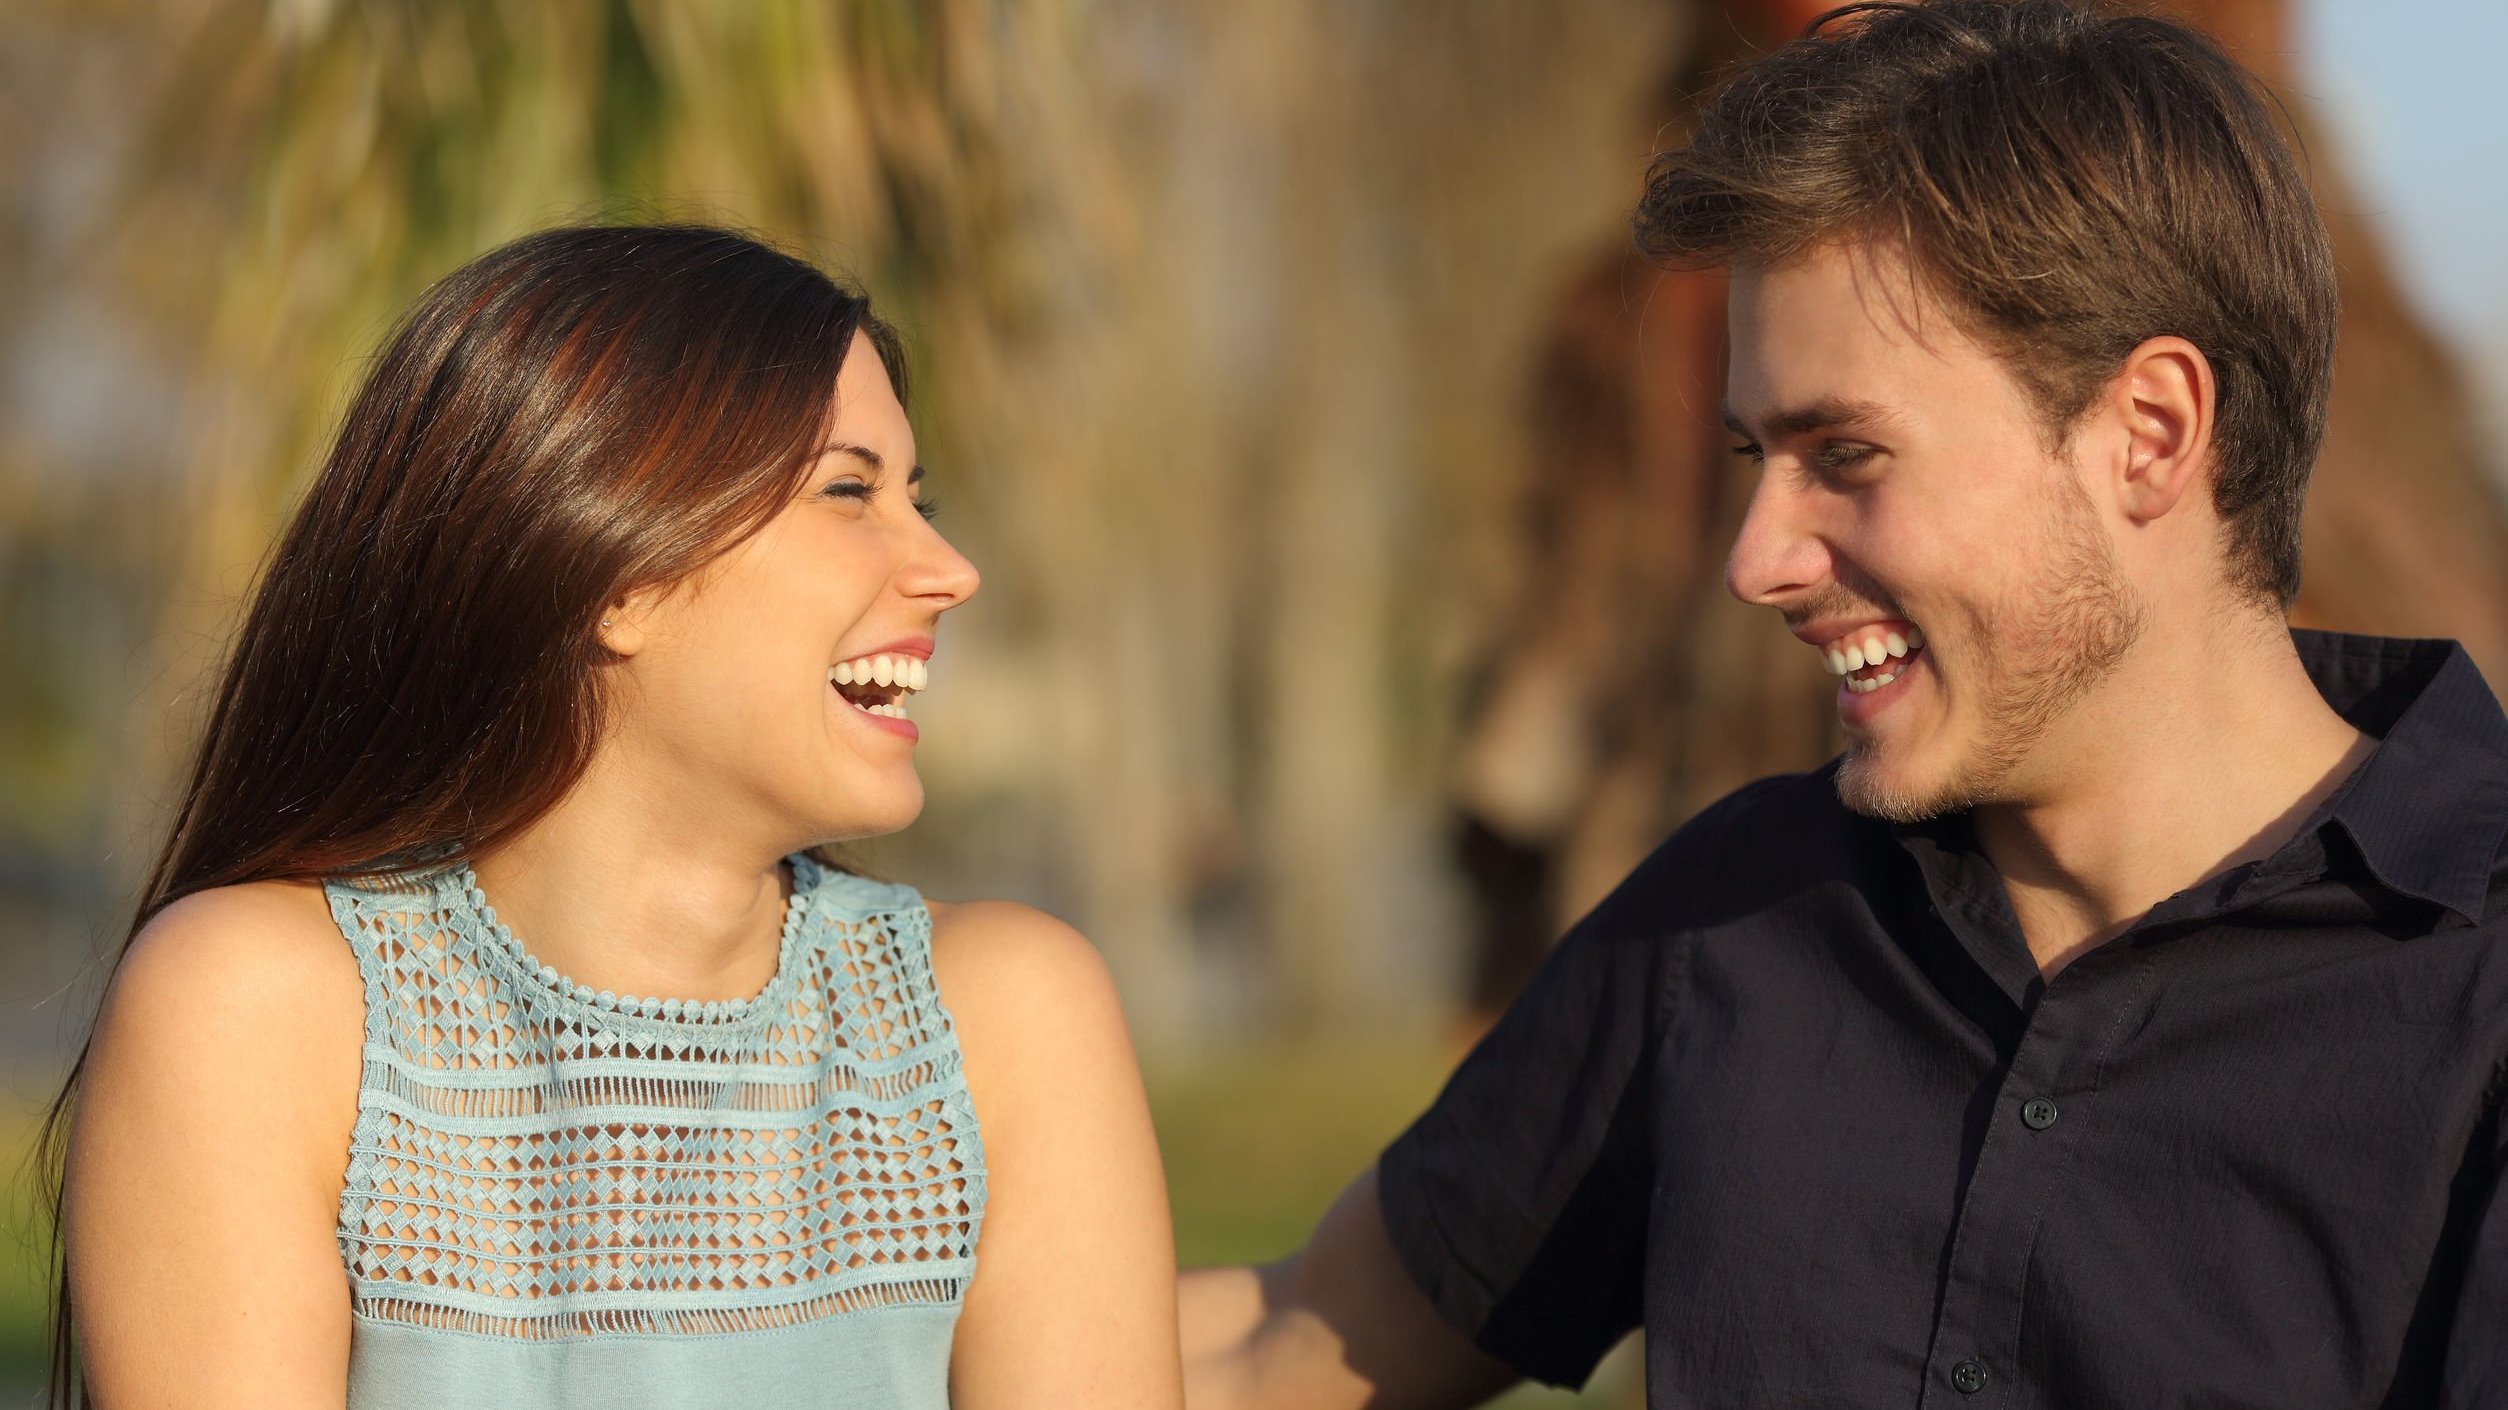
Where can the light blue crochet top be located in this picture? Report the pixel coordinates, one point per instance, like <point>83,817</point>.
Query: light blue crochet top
<point>558,1197</point>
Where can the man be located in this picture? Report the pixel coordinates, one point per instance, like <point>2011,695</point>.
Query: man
<point>2122,1020</point>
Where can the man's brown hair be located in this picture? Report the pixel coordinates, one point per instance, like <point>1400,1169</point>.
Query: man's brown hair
<point>2069,180</point>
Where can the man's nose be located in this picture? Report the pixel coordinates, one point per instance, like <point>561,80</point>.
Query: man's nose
<point>1776,556</point>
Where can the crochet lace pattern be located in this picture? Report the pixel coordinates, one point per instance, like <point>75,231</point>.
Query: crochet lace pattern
<point>536,1160</point>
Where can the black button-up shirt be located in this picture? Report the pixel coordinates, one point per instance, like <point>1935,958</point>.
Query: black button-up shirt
<point>1797,1098</point>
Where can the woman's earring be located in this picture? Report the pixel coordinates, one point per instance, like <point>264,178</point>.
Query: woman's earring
<point>605,621</point>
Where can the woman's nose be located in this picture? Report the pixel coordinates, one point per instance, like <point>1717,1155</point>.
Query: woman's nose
<point>940,573</point>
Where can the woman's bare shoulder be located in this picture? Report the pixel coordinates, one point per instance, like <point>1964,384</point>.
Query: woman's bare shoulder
<point>1035,1011</point>
<point>1002,955</point>
<point>1074,1295</point>
<point>208,1148</point>
<point>231,990</point>
<point>231,958</point>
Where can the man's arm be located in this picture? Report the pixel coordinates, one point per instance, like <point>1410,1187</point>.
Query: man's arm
<point>1504,1233</point>
<point>1337,1324</point>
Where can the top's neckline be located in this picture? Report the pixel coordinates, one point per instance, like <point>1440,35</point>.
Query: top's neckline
<point>468,899</point>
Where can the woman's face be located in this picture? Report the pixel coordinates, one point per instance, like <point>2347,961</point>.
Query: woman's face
<point>732,700</point>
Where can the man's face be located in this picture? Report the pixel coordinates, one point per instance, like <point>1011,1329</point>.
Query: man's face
<point>1910,511</point>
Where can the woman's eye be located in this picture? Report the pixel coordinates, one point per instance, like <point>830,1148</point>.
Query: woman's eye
<point>850,488</point>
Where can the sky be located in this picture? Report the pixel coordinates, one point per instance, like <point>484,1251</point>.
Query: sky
<point>2419,107</point>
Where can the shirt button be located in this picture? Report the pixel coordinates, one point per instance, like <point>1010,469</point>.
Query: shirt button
<point>2038,1113</point>
<point>1968,1377</point>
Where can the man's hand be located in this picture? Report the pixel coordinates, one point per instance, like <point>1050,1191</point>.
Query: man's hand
<point>1339,1325</point>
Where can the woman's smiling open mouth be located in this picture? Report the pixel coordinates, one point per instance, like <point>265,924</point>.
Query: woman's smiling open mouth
<point>879,685</point>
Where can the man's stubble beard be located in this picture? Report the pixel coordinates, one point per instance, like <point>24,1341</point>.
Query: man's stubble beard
<point>2073,635</point>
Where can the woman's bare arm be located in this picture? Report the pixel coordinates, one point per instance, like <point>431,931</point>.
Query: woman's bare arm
<point>1073,1302</point>
<point>206,1155</point>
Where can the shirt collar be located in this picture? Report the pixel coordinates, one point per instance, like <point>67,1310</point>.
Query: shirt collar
<point>2428,808</point>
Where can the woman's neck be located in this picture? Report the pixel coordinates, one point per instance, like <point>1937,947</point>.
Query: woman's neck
<point>617,891</point>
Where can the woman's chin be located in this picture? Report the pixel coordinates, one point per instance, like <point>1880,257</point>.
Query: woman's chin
<point>875,811</point>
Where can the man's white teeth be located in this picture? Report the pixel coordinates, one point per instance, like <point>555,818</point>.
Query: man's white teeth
<point>1855,653</point>
<point>905,671</point>
<point>1861,687</point>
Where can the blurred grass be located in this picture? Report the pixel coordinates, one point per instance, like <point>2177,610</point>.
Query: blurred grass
<point>1257,1142</point>
<point>25,1284</point>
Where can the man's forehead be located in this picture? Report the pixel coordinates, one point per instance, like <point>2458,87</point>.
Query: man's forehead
<point>1839,336</point>
<point>1841,290</point>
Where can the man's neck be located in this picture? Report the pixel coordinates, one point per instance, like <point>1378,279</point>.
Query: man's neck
<point>2207,749</point>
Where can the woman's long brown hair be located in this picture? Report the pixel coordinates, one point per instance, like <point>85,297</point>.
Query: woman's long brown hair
<point>566,419</point>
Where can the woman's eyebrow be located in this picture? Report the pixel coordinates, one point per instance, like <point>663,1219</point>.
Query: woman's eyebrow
<point>865,454</point>
<point>871,459</point>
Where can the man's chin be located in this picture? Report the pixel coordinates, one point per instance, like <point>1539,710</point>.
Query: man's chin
<point>1868,782</point>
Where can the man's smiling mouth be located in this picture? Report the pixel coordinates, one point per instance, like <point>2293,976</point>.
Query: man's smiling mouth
<point>1871,657</point>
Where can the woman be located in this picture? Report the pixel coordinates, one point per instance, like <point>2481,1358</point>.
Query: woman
<point>601,617</point>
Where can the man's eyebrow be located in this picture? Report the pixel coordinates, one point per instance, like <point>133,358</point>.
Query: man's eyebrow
<point>1827,414</point>
<point>870,458</point>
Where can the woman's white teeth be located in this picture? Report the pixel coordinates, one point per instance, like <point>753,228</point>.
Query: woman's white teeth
<point>903,671</point>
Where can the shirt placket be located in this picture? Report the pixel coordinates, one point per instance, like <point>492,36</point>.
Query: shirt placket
<point>2045,1106</point>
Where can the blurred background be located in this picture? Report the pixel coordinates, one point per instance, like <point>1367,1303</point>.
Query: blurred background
<point>1351,504</point>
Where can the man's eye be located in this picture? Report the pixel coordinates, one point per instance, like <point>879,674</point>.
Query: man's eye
<point>1838,456</point>
<point>1750,451</point>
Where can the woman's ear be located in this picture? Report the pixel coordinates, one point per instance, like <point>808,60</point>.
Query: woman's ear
<point>625,623</point>
<point>2165,394</point>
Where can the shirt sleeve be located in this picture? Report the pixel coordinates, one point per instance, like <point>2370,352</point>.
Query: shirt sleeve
<point>1518,1200</point>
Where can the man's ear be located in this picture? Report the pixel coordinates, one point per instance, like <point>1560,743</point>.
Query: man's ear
<point>2164,394</point>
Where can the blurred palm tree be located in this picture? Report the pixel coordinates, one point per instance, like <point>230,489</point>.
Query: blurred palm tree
<point>1223,307</point>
